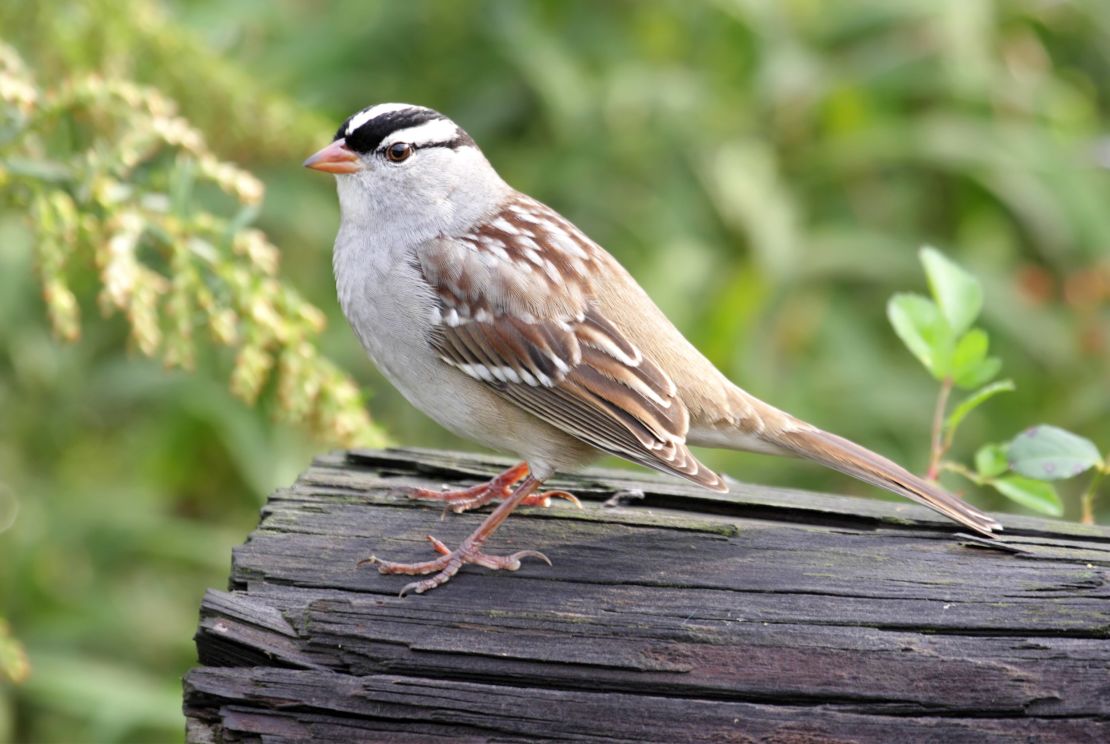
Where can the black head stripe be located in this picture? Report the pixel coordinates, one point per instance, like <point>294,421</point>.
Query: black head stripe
<point>462,140</point>
<point>369,135</point>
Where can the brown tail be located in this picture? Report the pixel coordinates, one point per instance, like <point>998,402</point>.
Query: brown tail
<point>859,462</point>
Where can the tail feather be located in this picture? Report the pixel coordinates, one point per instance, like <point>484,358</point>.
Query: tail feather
<point>859,462</point>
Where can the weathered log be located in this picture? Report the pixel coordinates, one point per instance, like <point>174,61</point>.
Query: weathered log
<point>671,614</point>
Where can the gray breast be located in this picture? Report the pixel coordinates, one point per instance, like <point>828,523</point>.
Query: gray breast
<point>389,305</point>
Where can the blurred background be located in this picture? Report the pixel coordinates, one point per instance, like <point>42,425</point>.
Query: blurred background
<point>767,170</point>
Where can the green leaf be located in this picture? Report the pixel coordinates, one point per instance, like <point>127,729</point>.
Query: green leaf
<point>958,293</point>
<point>1051,453</point>
<point>990,460</point>
<point>981,374</point>
<point>970,350</point>
<point>974,400</point>
<point>919,324</point>
<point>1032,494</point>
<point>970,365</point>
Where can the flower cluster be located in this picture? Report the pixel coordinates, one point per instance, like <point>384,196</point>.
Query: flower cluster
<point>110,173</point>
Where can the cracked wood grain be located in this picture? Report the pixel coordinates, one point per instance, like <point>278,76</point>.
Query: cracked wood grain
<point>760,615</point>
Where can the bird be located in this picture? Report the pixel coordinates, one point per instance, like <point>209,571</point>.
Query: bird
<point>506,324</point>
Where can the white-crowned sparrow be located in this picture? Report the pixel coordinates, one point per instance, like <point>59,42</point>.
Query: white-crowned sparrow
<point>506,324</point>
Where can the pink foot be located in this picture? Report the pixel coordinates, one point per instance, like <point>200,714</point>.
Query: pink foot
<point>449,563</point>
<point>500,487</point>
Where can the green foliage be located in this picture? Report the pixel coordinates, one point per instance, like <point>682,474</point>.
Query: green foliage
<point>120,199</point>
<point>990,460</point>
<point>938,332</point>
<point>970,403</point>
<point>919,324</point>
<point>957,293</point>
<point>1022,469</point>
<point>124,200</point>
<point>764,169</point>
<point>1051,453</point>
<point>1032,494</point>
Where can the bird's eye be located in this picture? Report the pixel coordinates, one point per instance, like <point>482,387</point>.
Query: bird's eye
<point>398,152</point>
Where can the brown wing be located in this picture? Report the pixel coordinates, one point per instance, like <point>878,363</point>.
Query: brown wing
<point>516,312</point>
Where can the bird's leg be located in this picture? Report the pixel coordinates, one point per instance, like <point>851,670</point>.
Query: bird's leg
<point>469,551</point>
<point>500,487</point>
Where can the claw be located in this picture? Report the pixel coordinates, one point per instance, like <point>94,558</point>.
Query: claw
<point>531,554</point>
<point>500,487</point>
<point>544,499</point>
<point>470,551</point>
<point>449,563</point>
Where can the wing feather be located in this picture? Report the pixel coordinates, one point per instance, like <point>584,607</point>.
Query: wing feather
<point>532,331</point>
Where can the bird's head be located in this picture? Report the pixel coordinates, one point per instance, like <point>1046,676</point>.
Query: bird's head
<point>409,168</point>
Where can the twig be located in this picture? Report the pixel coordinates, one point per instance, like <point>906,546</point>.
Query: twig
<point>939,448</point>
<point>960,469</point>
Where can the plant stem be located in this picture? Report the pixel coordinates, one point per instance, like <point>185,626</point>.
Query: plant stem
<point>939,448</point>
<point>955,467</point>
<point>1089,496</point>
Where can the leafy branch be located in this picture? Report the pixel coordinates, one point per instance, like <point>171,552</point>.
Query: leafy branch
<point>938,330</point>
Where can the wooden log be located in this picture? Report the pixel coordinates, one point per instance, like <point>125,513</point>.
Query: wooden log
<point>670,614</point>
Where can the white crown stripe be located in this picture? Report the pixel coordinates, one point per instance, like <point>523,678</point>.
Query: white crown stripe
<point>434,132</point>
<point>373,112</point>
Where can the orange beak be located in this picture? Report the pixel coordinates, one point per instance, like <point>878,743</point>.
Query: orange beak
<point>335,158</point>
